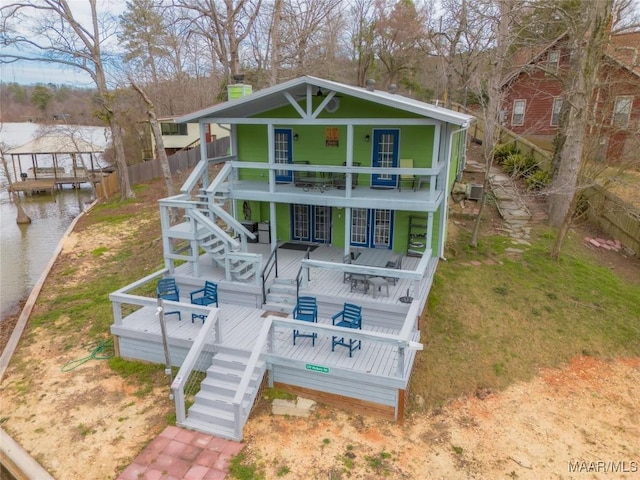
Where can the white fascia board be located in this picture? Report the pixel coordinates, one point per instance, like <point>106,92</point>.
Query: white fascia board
<point>324,121</point>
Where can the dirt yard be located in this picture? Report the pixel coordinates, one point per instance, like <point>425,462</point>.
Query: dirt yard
<point>578,422</point>
<point>581,421</point>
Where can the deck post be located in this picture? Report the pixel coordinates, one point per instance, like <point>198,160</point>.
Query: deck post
<point>400,361</point>
<point>117,312</point>
<point>218,333</point>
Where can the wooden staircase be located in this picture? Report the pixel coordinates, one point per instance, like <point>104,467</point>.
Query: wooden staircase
<point>213,410</point>
<point>241,270</point>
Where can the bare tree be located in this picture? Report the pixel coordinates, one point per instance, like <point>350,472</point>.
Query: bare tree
<point>362,38</point>
<point>587,38</point>
<point>460,38</point>
<point>225,24</point>
<point>304,47</point>
<point>157,135</point>
<point>56,36</point>
<point>399,31</point>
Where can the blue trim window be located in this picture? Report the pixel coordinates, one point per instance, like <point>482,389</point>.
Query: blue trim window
<point>372,228</point>
<point>310,223</point>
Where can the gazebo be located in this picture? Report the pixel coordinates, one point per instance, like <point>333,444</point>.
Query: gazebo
<point>46,169</point>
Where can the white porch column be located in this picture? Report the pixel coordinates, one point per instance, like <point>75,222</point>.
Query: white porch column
<point>203,152</point>
<point>271,156</point>
<point>273,223</point>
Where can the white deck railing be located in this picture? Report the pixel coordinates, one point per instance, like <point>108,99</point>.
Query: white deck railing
<point>397,341</point>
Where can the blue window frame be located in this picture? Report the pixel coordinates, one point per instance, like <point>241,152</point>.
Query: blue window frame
<point>385,155</point>
<point>310,223</point>
<point>283,153</point>
<point>372,228</point>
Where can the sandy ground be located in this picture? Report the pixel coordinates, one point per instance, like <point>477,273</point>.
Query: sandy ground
<point>577,422</point>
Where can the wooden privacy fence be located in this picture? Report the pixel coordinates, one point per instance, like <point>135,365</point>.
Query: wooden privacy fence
<point>107,186</point>
<point>181,161</point>
<point>616,217</point>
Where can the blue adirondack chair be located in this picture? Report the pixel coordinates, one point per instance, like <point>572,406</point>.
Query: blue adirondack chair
<point>167,289</point>
<point>349,317</point>
<point>306,310</point>
<point>204,296</point>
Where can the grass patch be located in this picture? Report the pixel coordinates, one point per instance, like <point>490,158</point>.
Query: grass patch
<point>241,468</point>
<point>272,394</point>
<point>496,324</point>
<point>99,251</point>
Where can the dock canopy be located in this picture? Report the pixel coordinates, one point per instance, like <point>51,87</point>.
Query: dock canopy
<point>58,144</point>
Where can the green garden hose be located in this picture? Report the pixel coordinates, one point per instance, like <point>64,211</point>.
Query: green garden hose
<point>103,350</point>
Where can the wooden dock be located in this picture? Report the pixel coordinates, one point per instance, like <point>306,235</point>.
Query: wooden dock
<point>34,187</point>
<point>31,186</point>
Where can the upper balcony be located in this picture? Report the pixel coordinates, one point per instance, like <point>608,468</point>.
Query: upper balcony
<point>400,188</point>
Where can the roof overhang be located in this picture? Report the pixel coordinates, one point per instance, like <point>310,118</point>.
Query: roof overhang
<point>299,88</point>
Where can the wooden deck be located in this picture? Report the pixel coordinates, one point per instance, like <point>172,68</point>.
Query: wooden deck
<point>374,378</point>
<point>323,283</point>
<point>239,328</point>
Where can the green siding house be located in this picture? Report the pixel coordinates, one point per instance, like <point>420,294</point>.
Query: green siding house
<point>328,191</point>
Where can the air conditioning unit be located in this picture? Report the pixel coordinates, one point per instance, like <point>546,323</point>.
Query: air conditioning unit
<point>474,191</point>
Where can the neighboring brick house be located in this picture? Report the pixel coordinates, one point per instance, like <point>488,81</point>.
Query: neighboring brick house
<point>532,101</point>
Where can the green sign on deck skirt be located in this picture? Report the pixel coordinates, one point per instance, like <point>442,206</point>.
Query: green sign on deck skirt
<point>316,368</point>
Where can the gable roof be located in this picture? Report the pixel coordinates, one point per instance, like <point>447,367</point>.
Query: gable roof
<point>273,97</point>
<point>624,48</point>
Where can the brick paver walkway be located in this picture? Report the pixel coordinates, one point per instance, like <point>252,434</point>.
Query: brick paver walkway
<point>179,454</point>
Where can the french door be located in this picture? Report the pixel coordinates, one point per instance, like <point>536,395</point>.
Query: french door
<point>385,155</point>
<point>283,153</point>
<point>311,223</point>
<point>371,228</point>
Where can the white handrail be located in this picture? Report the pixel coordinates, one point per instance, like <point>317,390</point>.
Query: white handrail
<point>303,167</point>
<point>195,175</point>
<point>177,386</point>
<point>248,371</point>
<point>220,233</point>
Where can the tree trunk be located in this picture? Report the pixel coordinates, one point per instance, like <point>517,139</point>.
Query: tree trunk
<point>123,172</point>
<point>275,42</point>
<point>157,135</point>
<point>587,43</point>
<point>22,217</point>
<point>494,101</point>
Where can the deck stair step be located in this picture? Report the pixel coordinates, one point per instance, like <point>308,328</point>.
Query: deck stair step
<point>213,410</point>
<point>281,296</point>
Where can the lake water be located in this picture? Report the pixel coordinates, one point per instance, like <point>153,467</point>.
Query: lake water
<point>25,250</point>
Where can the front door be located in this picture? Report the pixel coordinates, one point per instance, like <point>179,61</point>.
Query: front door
<point>311,223</point>
<point>371,228</point>
<point>385,155</point>
<point>283,153</point>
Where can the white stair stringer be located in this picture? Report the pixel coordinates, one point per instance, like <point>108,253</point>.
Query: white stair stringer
<point>281,296</point>
<point>240,270</point>
<point>213,411</point>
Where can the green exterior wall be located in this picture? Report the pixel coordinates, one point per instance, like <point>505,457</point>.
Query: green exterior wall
<point>416,143</point>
